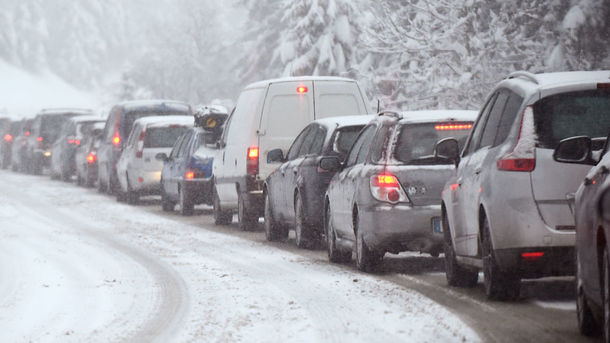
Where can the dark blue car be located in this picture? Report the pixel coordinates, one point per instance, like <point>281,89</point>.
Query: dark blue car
<point>186,178</point>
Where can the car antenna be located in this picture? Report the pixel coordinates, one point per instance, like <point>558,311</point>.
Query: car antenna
<point>378,105</point>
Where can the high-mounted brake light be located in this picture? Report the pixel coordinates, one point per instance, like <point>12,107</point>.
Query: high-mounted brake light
<point>532,256</point>
<point>385,187</point>
<point>91,158</point>
<point>252,161</point>
<point>8,137</point>
<point>522,157</point>
<point>451,127</point>
<point>301,89</point>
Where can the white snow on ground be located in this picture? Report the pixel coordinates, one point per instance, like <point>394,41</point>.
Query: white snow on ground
<point>23,93</point>
<point>76,266</point>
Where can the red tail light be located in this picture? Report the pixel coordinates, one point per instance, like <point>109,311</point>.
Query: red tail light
<point>385,187</point>
<point>77,141</point>
<point>532,256</point>
<point>39,139</point>
<point>252,161</point>
<point>91,158</point>
<point>522,158</point>
<point>189,175</point>
<point>8,137</point>
<point>116,140</point>
<point>605,85</point>
<point>140,146</point>
<point>70,141</point>
<point>27,133</point>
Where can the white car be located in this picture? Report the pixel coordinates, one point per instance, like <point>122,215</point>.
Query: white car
<point>138,171</point>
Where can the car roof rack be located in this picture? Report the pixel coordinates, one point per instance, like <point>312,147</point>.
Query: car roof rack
<point>389,114</point>
<point>524,75</point>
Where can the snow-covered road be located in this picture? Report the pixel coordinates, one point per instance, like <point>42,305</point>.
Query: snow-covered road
<point>76,266</point>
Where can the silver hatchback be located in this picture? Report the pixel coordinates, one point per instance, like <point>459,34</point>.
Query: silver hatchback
<point>385,197</point>
<point>506,211</point>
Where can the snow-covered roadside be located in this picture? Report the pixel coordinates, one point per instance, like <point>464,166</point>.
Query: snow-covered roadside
<point>228,288</point>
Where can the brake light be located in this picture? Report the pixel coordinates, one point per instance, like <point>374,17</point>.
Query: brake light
<point>70,141</point>
<point>301,89</point>
<point>27,133</point>
<point>91,158</point>
<point>77,141</point>
<point>522,157</point>
<point>385,187</point>
<point>252,161</point>
<point>116,140</point>
<point>189,175</point>
<point>603,85</point>
<point>453,126</point>
<point>140,146</point>
<point>39,139</point>
<point>532,256</point>
<point>8,137</point>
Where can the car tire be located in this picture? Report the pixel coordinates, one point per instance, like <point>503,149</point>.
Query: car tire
<point>456,275</point>
<point>246,220</point>
<point>367,260</point>
<point>273,230</point>
<point>586,322</point>
<point>79,180</point>
<point>335,255</point>
<point>303,232</point>
<point>64,176</point>
<point>499,285</point>
<point>36,167</point>
<point>100,185</point>
<point>220,217</point>
<point>186,205</point>
<point>166,204</point>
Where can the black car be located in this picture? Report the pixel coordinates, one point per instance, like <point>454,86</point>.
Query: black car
<point>294,192</point>
<point>592,218</point>
<point>186,177</point>
<point>45,130</point>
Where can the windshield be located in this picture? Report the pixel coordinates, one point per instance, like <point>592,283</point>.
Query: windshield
<point>417,141</point>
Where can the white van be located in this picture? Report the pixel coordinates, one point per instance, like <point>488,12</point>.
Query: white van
<point>269,115</point>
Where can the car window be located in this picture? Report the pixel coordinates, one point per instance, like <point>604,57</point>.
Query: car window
<point>344,138</point>
<point>352,157</point>
<point>477,131</point>
<point>583,113</point>
<point>164,136</point>
<point>312,144</point>
<point>177,145</point>
<point>318,142</point>
<point>508,117</point>
<point>293,152</point>
<point>368,136</point>
<point>185,144</point>
<point>493,120</point>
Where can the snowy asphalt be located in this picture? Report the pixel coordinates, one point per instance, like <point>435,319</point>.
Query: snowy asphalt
<point>77,266</point>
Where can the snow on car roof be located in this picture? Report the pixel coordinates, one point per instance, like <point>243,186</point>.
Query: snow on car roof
<point>425,116</point>
<point>534,82</point>
<point>84,111</point>
<point>87,118</point>
<point>137,104</point>
<point>156,121</point>
<point>345,120</point>
<point>265,83</point>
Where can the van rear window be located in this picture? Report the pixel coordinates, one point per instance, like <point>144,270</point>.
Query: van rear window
<point>416,142</point>
<point>163,137</point>
<point>330,105</point>
<point>583,113</point>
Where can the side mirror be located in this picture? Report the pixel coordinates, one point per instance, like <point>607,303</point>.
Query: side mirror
<point>161,157</point>
<point>574,150</point>
<point>448,149</point>
<point>275,155</point>
<point>330,164</point>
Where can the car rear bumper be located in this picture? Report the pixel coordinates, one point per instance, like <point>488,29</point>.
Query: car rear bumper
<point>200,190</point>
<point>556,261</point>
<point>148,182</point>
<point>396,228</point>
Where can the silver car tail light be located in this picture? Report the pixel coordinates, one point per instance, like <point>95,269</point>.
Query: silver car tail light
<point>522,158</point>
<point>385,187</point>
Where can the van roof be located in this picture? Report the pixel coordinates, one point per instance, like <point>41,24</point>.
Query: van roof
<point>165,120</point>
<point>265,83</point>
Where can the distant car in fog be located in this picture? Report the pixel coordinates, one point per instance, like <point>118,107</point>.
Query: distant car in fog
<point>118,126</point>
<point>506,211</point>
<point>186,178</point>
<point>294,192</point>
<point>86,156</point>
<point>18,147</point>
<point>63,151</point>
<point>9,130</point>
<point>45,129</point>
<point>138,169</point>
<point>385,197</point>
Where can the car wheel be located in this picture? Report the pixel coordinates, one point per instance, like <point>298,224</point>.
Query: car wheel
<point>586,322</point>
<point>456,275</point>
<point>220,217</point>
<point>132,196</point>
<point>335,255</point>
<point>79,180</point>
<point>64,175</point>
<point>367,260</point>
<point>499,285</point>
<point>273,230</point>
<point>186,205</point>
<point>302,230</point>
<point>246,220</point>
<point>36,168</point>
<point>100,185</point>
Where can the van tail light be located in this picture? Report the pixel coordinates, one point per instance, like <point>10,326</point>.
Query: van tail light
<point>385,187</point>
<point>8,138</point>
<point>252,161</point>
<point>522,158</point>
<point>91,158</point>
<point>140,144</point>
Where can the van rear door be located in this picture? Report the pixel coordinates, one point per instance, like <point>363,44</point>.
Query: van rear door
<point>338,98</point>
<point>287,110</point>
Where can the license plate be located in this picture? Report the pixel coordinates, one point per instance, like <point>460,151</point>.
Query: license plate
<point>436,225</point>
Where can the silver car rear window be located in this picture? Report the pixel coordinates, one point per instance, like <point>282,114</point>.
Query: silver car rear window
<point>583,113</point>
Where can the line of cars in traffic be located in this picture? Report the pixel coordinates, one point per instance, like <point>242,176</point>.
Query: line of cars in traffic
<point>496,191</point>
